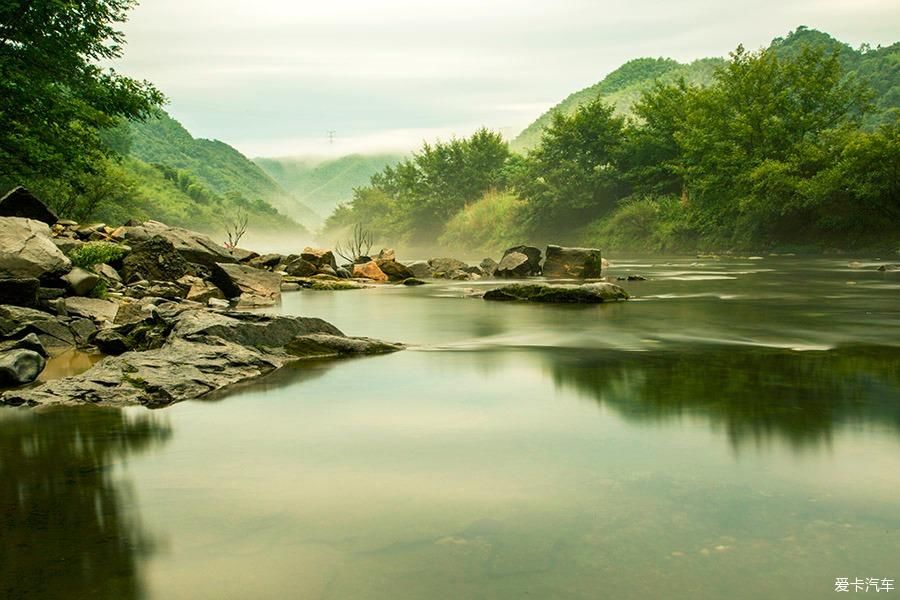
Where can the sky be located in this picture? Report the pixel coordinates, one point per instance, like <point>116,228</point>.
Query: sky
<point>274,77</point>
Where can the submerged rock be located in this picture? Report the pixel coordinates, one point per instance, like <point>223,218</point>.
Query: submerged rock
<point>322,345</point>
<point>593,293</point>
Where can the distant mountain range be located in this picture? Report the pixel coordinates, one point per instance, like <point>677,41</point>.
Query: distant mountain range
<point>324,184</point>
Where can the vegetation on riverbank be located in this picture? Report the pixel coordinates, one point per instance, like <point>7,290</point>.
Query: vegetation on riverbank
<point>795,146</point>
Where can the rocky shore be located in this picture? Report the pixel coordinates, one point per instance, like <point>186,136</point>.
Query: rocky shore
<point>168,305</point>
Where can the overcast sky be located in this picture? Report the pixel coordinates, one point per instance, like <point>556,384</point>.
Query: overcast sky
<point>272,77</point>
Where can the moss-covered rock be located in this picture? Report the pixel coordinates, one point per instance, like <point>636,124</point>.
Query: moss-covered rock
<point>593,293</point>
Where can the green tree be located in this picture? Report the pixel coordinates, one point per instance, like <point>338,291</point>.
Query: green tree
<point>55,98</point>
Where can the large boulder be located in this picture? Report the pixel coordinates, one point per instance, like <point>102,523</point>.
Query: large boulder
<point>420,269</point>
<point>579,263</point>
<point>19,202</point>
<point>488,267</point>
<point>81,281</point>
<point>593,293</point>
<point>442,267</point>
<point>154,259</point>
<point>96,309</point>
<point>16,322</point>
<point>320,257</point>
<point>18,367</point>
<point>266,261</point>
<point>394,270</point>
<point>19,292</point>
<point>516,266</point>
<point>253,287</point>
<point>192,246</point>
<point>369,270</point>
<point>300,267</point>
<point>27,251</point>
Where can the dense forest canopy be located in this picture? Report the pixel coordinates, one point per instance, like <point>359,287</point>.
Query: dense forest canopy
<point>795,146</point>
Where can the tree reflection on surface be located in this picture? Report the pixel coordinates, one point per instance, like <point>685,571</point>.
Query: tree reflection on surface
<point>66,527</point>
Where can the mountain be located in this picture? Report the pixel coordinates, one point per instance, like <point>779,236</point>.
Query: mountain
<point>621,89</point>
<point>324,184</point>
<point>214,164</point>
<point>879,67</point>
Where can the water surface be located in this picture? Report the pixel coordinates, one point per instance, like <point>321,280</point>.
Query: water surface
<point>733,431</point>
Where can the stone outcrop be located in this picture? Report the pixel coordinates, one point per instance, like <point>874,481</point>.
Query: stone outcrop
<point>26,251</point>
<point>369,270</point>
<point>19,202</point>
<point>592,293</point>
<point>577,263</point>
<point>192,246</point>
<point>193,352</point>
<point>519,261</point>
<point>252,287</point>
<point>154,259</point>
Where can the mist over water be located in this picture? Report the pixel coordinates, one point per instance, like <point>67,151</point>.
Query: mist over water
<point>731,431</point>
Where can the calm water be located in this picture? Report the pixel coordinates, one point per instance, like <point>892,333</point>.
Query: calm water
<point>732,432</point>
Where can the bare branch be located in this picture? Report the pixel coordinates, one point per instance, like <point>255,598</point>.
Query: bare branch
<point>236,227</point>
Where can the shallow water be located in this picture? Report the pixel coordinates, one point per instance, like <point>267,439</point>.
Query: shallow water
<point>733,431</point>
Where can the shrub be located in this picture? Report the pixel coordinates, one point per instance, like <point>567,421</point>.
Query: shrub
<point>95,253</point>
<point>492,224</point>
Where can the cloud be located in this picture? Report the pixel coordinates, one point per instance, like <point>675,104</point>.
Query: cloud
<point>272,73</point>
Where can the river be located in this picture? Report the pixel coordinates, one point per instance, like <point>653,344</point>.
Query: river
<point>732,431</point>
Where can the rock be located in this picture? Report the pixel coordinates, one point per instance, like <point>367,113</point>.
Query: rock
<point>889,268</point>
<point>157,289</point>
<point>369,270</point>
<point>394,270</point>
<point>631,278</point>
<point>412,281</point>
<point>319,345</point>
<point>19,202</point>
<point>335,286</point>
<point>154,259</point>
<point>564,294</point>
<point>488,266</point>
<point>200,290</point>
<point>517,266</point>
<point>327,272</point>
<point>28,342</point>
<point>187,352</point>
<point>441,266</point>
<point>16,322</point>
<point>18,367</point>
<point>254,287</point>
<point>266,261</point>
<point>81,281</point>
<point>192,246</point>
<point>108,273</point>
<point>100,311</point>
<point>20,292</point>
<point>343,273</point>
<point>82,329</point>
<point>461,275</point>
<point>111,342</point>
<point>300,267</point>
<point>514,264</point>
<point>289,287</point>
<point>242,255</point>
<point>319,257</point>
<point>67,245</point>
<point>26,251</point>
<point>386,254</point>
<point>420,269</point>
<point>579,263</point>
<point>217,303</point>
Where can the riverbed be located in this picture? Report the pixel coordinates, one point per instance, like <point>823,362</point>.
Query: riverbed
<point>732,431</point>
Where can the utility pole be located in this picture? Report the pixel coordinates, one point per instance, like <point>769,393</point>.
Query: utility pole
<point>331,133</point>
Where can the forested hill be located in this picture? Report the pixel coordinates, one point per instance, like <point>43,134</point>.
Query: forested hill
<point>162,140</point>
<point>878,67</point>
<point>621,89</point>
<point>323,185</point>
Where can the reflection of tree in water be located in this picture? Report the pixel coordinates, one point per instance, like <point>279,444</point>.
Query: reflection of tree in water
<point>754,394</point>
<point>65,530</point>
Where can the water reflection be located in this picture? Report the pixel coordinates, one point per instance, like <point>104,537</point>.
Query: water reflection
<point>68,526</point>
<point>753,394</point>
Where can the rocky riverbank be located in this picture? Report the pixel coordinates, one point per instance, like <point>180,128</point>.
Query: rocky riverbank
<point>168,305</point>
